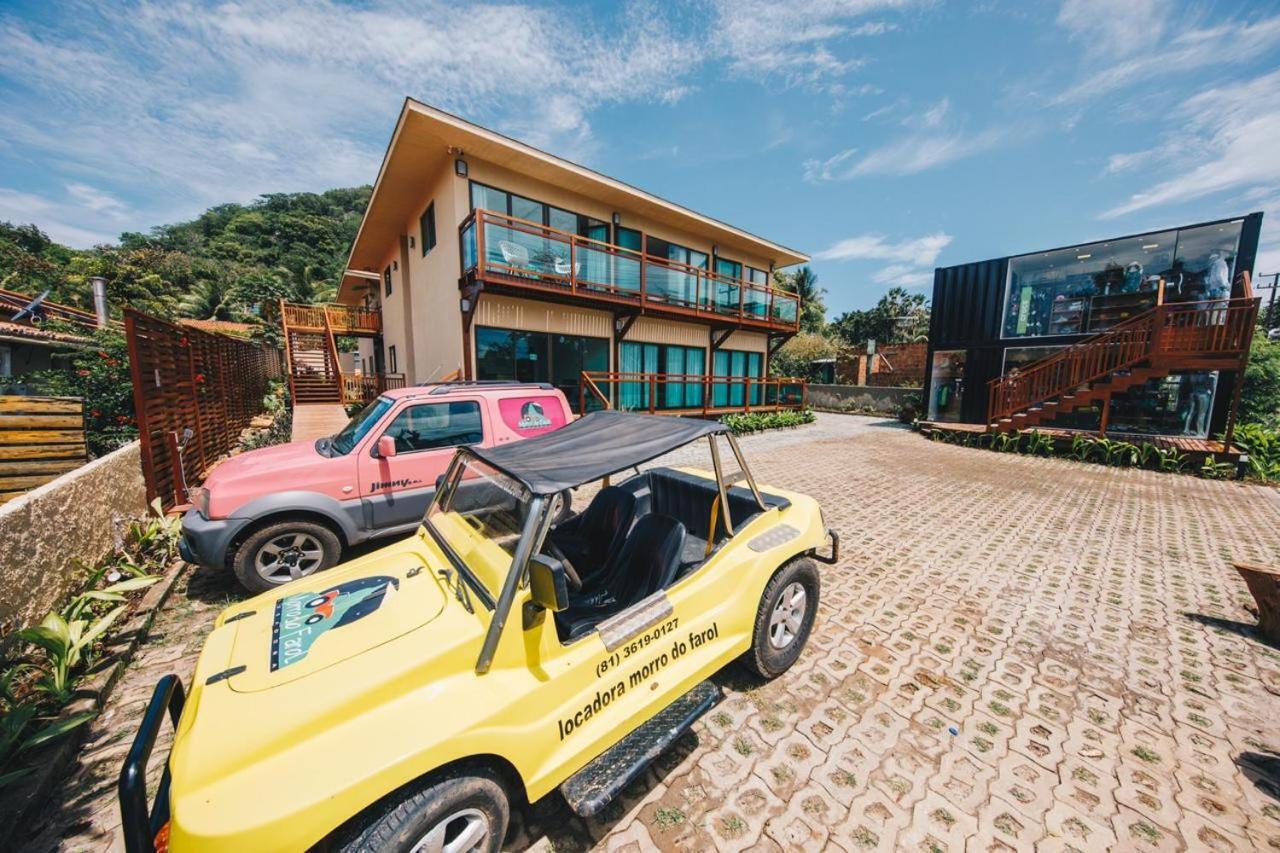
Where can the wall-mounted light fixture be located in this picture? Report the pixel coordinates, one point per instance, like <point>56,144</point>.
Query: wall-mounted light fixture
<point>617,218</point>
<point>460,167</point>
<point>410,241</point>
<point>464,305</point>
<point>395,265</point>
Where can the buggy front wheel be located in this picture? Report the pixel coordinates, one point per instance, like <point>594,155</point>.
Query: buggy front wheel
<point>784,618</point>
<point>460,811</point>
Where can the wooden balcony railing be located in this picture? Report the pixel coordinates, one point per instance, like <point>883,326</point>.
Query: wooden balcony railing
<point>364,387</point>
<point>342,319</point>
<point>689,393</point>
<point>519,253</point>
<point>1186,335</point>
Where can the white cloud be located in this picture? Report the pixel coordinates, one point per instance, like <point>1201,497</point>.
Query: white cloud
<point>54,218</point>
<point>916,252</point>
<point>914,153</point>
<point>1233,42</point>
<point>798,41</point>
<point>189,105</point>
<point>901,275</point>
<point>1225,140</point>
<point>1126,161</point>
<point>1106,27</point>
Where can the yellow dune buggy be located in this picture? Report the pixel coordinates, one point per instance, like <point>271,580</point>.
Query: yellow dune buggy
<point>401,701</point>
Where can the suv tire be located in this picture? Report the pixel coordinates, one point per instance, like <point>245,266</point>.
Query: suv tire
<point>284,551</point>
<point>463,809</point>
<point>784,619</point>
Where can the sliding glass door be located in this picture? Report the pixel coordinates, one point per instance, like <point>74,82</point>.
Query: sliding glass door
<point>541,357</point>
<point>735,365</point>
<point>668,360</point>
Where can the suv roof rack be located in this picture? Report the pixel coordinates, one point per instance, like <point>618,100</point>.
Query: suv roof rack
<point>446,387</point>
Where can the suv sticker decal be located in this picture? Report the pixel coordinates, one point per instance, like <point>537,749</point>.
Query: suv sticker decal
<point>301,619</point>
<point>530,416</point>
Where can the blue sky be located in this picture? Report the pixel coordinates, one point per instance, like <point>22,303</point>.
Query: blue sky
<point>883,137</point>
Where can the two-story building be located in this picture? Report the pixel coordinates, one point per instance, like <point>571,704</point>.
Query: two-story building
<point>488,259</point>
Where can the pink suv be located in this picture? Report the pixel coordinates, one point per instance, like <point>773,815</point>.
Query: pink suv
<point>283,512</point>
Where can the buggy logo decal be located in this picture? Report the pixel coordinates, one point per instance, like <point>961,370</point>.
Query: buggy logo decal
<point>302,618</point>
<point>532,416</point>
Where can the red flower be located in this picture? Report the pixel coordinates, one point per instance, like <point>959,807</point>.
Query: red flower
<point>82,373</point>
<point>199,377</point>
<point>102,354</point>
<point>95,413</point>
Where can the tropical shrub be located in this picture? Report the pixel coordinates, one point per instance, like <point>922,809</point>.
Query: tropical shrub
<point>1263,447</point>
<point>56,654</point>
<point>1096,449</point>
<point>100,377</point>
<point>749,422</point>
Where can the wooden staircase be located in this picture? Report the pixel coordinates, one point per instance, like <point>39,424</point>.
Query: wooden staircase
<point>1169,338</point>
<point>311,349</point>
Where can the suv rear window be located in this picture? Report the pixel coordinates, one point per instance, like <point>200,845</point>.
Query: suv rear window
<point>532,414</point>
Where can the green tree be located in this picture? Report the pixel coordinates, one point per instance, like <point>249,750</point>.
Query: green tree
<point>899,317</point>
<point>797,356</point>
<point>803,282</point>
<point>1260,393</point>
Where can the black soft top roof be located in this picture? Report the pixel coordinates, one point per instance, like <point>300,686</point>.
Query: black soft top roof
<point>592,447</point>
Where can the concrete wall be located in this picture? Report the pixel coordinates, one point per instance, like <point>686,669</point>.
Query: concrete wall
<point>861,398</point>
<point>51,535</point>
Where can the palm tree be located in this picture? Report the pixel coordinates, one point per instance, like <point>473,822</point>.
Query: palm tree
<point>208,299</point>
<point>804,283</point>
<point>304,287</point>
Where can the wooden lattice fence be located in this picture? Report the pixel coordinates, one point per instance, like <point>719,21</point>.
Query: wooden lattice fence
<point>184,379</point>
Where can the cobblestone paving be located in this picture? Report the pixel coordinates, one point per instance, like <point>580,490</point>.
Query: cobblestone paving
<point>1014,654</point>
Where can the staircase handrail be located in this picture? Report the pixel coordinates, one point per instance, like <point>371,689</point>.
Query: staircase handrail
<point>1123,345</point>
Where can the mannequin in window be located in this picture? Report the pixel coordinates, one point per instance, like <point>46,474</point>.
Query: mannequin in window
<point>1198,402</point>
<point>1132,278</point>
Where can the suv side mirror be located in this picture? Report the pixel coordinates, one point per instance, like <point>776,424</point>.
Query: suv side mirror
<point>386,447</point>
<point>548,583</point>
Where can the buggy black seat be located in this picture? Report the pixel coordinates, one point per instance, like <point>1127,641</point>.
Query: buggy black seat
<point>647,562</point>
<point>593,538</point>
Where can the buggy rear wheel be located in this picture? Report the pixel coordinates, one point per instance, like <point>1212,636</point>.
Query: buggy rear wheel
<point>784,618</point>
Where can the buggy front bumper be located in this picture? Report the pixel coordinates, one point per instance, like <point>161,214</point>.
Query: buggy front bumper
<point>834,556</point>
<point>146,826</point>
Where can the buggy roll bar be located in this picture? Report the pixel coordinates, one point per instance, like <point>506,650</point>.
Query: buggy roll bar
<point>532,523</point>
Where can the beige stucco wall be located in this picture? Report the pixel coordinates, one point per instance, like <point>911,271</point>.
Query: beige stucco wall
<point>661,331</point>
<point>531,315</point>
<point>49,535</point>
<point>748,341</point>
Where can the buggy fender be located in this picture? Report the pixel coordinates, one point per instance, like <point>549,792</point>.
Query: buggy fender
<point>347,516</point>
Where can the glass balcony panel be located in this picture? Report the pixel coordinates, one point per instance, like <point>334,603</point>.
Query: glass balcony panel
<point>785,307</point>
<point>675,286</point>
<point>469,247</point>
<point>519,251</point>
<point>598,269</point>
<point>755,303</point>
<point>725,297</point>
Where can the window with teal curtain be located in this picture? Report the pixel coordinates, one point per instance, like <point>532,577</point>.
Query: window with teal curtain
<point>735,364</point>
<point>720,367</point>
<point>695,364</point>
<point>753,370</point>
<point>631,394</point>
<point>673,392</point>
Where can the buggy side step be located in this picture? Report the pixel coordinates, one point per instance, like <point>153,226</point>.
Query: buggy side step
<point>591,788</point>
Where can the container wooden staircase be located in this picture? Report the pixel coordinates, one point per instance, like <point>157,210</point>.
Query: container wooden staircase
<point>1169,338</point>
<point>311,350</point>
